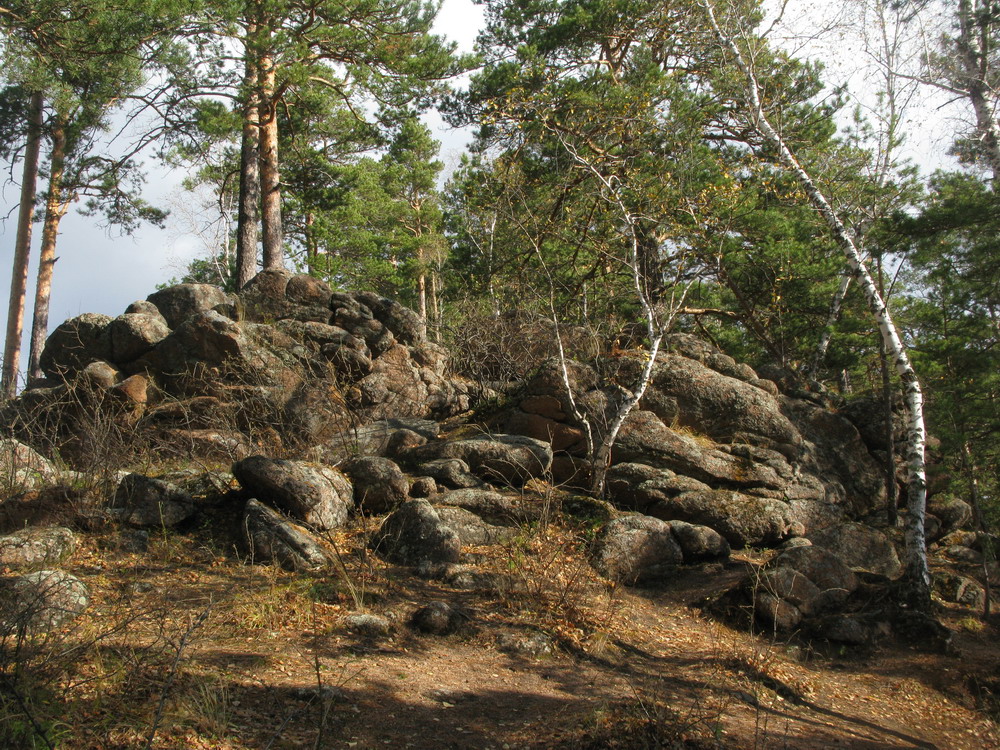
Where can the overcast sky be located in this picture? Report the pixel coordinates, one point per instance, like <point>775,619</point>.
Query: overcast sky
<point>103,273</point>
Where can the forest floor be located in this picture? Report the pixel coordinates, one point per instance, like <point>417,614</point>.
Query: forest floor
<point>187,646</point>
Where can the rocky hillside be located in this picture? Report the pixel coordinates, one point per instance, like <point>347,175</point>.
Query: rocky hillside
<point>305,435</point>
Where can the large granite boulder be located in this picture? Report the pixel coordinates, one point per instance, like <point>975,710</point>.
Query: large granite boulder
<point>269,536</point>
<point>636,548</point>
<point>75,344</point>
<point>861,547</point>
<point>179,302</point>
<point>415,534</point>
<point>41,601</point>
<point>379,484</point>
<point>502,459</point>
<point>147,502</point>
<point>317,495</point>
<point>36,547</point>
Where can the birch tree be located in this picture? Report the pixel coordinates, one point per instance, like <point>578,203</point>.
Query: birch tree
<point>739,49</point>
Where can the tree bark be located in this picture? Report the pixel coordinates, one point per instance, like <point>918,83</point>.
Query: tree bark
<point>836,305</point>
<point>917,570</point>
<point>247,217</point>
<point>270,174</point>
<point>22,250</point>
<point>975,68</point>
<point>55,208</point>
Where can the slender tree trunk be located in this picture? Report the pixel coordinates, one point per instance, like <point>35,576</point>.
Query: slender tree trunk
<point>22,250</point>
<point>975,67</point>
<point>917,570</point>
<point>247,217</point>
<point>891,490</point>
<point>836,305</point>
<point>985,541</point>
<point>55,207</point>
<point>436,305</point>
<point>270,174</point>
<point>422,292</point>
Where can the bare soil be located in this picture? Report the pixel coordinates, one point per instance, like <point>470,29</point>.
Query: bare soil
<point>187,646</point>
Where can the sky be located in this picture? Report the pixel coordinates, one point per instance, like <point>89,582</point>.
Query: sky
<point>100,271</point>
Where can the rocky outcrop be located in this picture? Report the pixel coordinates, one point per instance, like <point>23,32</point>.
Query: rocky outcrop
<point>501,459</point>
<point>287,357</point>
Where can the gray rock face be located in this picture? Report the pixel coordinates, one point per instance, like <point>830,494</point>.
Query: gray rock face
<point>270,536</point>
<point>699,543</point>
<point>451,472</point>
<point>146,502</point>
<point>472,529</point>
<point>33,547</point>
<point>505,459</point>
<point>134,334</point>
<point>374,439</point>
<point>500,509</point>
<point>957,588</point>
<point>177,303</point>
<point>318,495</point>
<point>636,548</point>
<point>42,601</point>
<point>952,512</point>
<point>22,467</point>
<point>414,534</point>
<point>379,484</point>
<point>861,547</point>
<point>75,344</point>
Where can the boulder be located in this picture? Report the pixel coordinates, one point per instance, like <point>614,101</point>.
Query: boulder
<point>831,575</point>
<point>22,467</point>
<point>952,512</point>
<point>317,495</point>
<point>146,502</point>
<point>270,537</point>
<point>374,439</point>
<point>861,547</point>
<point>179,302</point>
<point>744,520</point>
<point>451,472</point>
<point>492,506</point>
<point>423,487</point>
<point>636,548</point>
<point>263,298</point>
<point>699,543</point>
<point>368,625</point>
<point>437,618</point>
<point>75,344</point>
<point>404,324</point>
<point>505,459</point>
<point>134,334</point>
<point>379,484</point>
<point>414,533</point>
<point>37,547</point>
<point>472,529</point>
<point>42,601</point>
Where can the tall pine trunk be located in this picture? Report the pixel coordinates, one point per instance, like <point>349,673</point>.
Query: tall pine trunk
<point>270,174</point>
<point>975,70</point>
<point>247,216</point>
<point>917,570</point>
<point>22,250</point>
<point>55,208</point>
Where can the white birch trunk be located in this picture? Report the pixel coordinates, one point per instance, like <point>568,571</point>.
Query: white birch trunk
<point>916,546</point>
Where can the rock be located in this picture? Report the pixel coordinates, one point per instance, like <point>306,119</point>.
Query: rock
<point>209,444</point>
<point>75,344</point>
<point>57,505</point>
<point>953,587</point>
<point>42,601</point>
<point>145,307</point>
<point>535,645</point>
<point>368,625</point>
<point>33,547</point>
<point>414,533</point>
<point>792,586</point>
<point>423,487</point>
<point>308,290</point>
<point>861,547</point>
<point>636,548</point>
<point>776,612</point>
<point>98,375</point>
<point>844,629</point>
<point>179,302</point>
<point>134,334</point>
<point>318,495</point>
<point>952,512</point>
<point>699,543</point>
<point>379,484</point>
<point>451,472</point>
<point>146,502</point>
<point>404,323</point>
<point>507,459</point>
<point>22,467</point>
<point>374,439</point>
<point>961,554</point>
<point>472,529</point>
<point>437,618</point>
<point>829,573</point>
<point>742,519</point>
<point>270,537</point>
<point>492,506</point>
